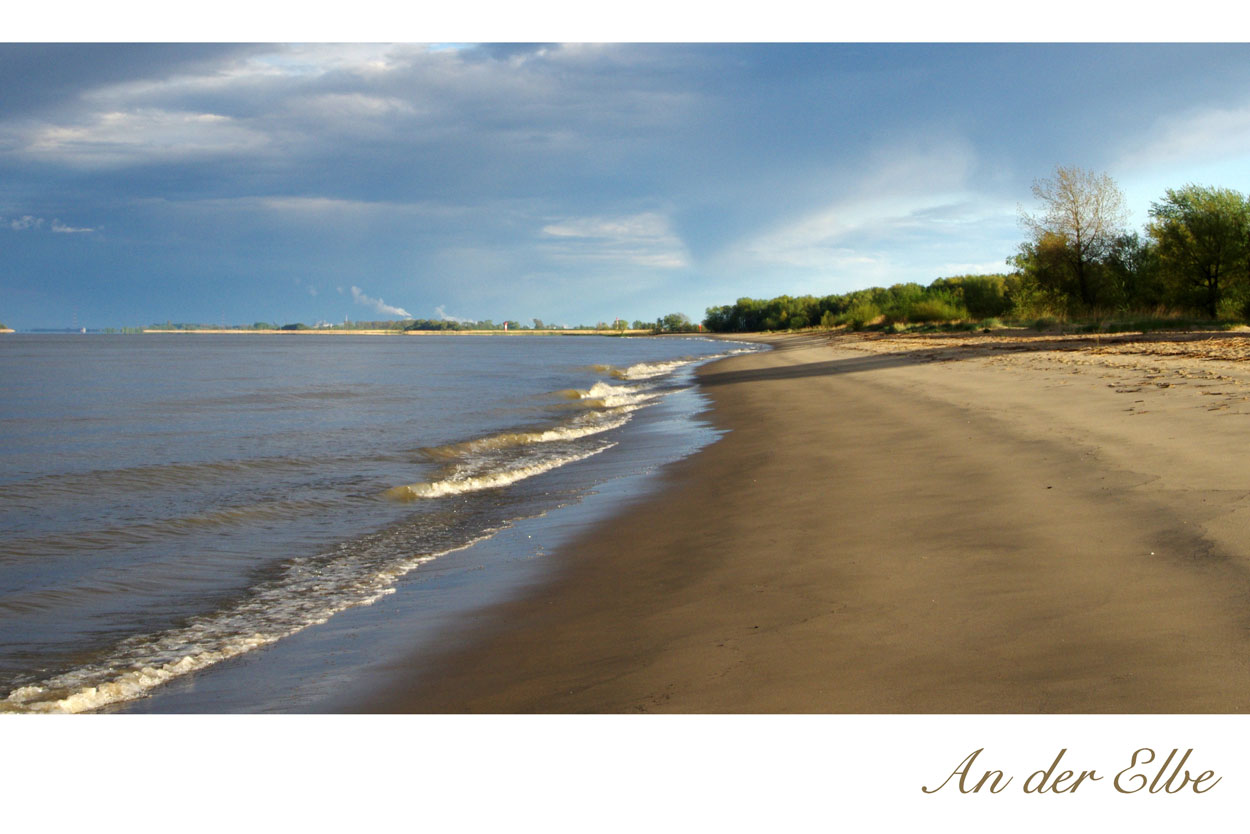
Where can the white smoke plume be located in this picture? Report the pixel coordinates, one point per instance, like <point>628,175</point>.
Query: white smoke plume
<point>379,305</point>
<point>442,314</point>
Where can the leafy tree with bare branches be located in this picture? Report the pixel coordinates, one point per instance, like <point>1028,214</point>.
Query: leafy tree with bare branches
<point>1086,212</point>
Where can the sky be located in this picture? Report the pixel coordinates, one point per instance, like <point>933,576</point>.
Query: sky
<point>233,183</point>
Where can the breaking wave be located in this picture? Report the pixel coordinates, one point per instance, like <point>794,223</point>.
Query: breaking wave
<point>584,426</point>
<point>306,591</point>
<point>466,481</point>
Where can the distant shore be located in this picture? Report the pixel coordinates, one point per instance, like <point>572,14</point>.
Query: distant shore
<point>943,524</point>
<point>331,332</point>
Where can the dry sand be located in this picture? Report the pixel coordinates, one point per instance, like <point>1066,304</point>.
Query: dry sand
<point>905,524</point>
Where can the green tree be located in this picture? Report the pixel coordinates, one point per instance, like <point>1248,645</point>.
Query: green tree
<point>1202,236</point>
<point>1043,283</point>
<point>1132,268</point>
<point>675,323</point>
<point>1086,212</point>
<point>984,296</point>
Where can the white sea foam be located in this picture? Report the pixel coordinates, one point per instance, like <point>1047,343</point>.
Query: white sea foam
<point>310,591</point>
<point>464,480</point>
<point>600,390</point>
<point>605,395</point>
<point>585,425</point>
<point>308,594</point>
<point>650,370</point>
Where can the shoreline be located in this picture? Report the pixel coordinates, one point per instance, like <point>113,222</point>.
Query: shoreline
<point>903,525</point>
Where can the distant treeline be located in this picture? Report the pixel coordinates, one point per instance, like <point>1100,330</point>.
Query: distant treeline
<point>1079,262</point>
<point>671,323</point>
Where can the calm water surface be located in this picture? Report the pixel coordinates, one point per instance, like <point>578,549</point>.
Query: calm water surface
<point>171,502</point>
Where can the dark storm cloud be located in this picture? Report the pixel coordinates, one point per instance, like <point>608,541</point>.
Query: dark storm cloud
<point>41,76</point>
<point>564,176</point>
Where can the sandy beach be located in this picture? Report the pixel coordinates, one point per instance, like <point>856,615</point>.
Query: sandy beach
<point>942,524</point>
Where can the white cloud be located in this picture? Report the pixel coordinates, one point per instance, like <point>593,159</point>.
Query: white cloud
<point>21,224</point>
<point>640,239</point>
<point>905,187</point>
<point>983,268</point>
<point>1196,136</point>
<point>115,138</point>
<point>298,63</point>
<point>887,240</point>
<point>310,205</point>
<point>317,59</point>
<point>834,235</point>
<point>905,196</point>
<point>908,168</point>
<point>352,106</point>
<point>1206,147</point>
<point>378,305</point>
<point>636,226</point>
<point>58,226</point>
<point>27,222</point>
<point>314,205</point>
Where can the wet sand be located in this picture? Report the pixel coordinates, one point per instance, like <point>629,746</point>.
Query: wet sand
<point>899,524</point>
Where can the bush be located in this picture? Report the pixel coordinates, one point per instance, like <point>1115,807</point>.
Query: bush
<point>861,314</point>
<point>1233,308</point>
<point>985,295</point>
<point>934,310</point>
